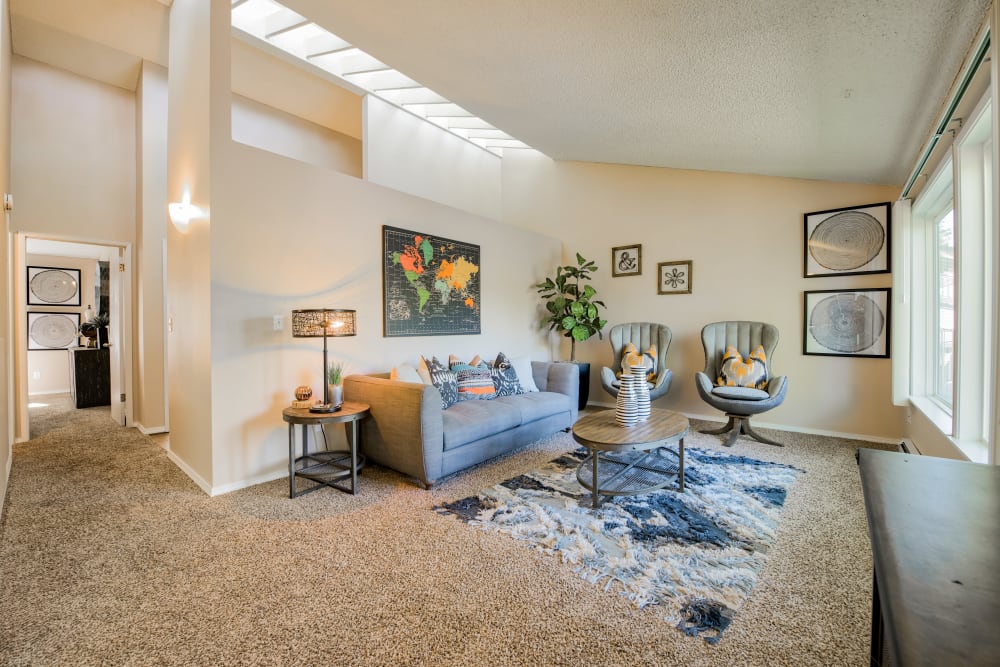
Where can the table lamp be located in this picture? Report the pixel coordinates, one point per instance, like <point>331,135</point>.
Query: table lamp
<point>325,322</point>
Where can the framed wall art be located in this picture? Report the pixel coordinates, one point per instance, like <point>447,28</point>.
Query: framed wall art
<point>431,286</point>
<point>847,241</point>
<point>847,323</point>
<point>626,260</point>
<point>674,277</point>
<point>52,331</point>
<point>50,286</point>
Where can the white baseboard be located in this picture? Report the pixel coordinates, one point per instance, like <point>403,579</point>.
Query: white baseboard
<point>253,481</point>
<point>910,445</point>
<point>151,430</point>
<point>784,427</point>
<point>67,390</point>
<point>195,477</point>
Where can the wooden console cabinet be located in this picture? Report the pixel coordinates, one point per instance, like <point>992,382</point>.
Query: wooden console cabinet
<point>90,376</point>
<point>935,533</point>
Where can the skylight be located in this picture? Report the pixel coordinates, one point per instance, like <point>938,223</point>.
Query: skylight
<point>284,29</point>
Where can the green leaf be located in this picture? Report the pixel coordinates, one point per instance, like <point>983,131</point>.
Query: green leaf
<point>580,333</point>
<point>589,292</point>
<point>577,309</point>
<point>568,323</point>
<point>592,312</point>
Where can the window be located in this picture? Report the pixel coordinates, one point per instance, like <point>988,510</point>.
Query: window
<point>943,308</point>
<point>950,283</point>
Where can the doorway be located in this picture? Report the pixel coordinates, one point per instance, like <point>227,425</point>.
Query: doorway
<point>46,358</point>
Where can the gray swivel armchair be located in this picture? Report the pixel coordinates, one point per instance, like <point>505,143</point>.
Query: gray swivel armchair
<point>739,403</point>
<point>643,335</point>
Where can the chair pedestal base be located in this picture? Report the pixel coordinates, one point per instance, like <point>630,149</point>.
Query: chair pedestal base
<point>740,424</point>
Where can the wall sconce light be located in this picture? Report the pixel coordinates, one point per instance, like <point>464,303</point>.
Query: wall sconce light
<point>181,213</point>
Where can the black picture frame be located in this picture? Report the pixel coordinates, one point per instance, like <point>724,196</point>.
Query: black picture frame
<point>53,286</point>
<point>626,260</point>
<point>674,277</point>
<point>849,241</point>
<point>413,304</point>
<point>52,330</point>
<point>847,323</point>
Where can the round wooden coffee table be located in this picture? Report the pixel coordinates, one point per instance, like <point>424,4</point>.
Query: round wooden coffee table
<point>630,461</point>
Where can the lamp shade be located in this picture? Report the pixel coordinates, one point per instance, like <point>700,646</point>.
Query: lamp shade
<point>317,322</point>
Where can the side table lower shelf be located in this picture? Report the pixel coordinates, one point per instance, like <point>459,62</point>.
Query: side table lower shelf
<point>328,468</point>
<point>325,468</point>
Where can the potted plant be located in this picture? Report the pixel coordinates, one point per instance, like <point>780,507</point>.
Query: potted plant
<point>96,328</point>
<point>573,311</point>
<point>335,378</point>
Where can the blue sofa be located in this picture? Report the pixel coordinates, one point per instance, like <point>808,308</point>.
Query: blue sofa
<point>410,433</point>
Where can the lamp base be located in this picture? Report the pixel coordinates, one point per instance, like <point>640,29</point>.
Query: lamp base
<point>324,408</point>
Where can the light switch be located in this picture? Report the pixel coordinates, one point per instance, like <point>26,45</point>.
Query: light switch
<point>279,323</point>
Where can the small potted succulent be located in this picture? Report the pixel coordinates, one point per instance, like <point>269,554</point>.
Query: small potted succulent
<point>335,380</point>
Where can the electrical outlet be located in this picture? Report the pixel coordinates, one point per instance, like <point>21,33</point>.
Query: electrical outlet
<point>36,375</point>
<point>279,323</point>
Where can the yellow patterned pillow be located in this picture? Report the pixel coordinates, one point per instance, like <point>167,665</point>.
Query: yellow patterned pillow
<point>632,357</point>
<point>735,372</point>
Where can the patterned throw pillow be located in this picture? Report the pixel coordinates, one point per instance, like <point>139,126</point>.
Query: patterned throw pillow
<point>735,372</point>
<point>474,380</point>
<point>444,380</point>
<point>632,357</point>
<point>505,377</point>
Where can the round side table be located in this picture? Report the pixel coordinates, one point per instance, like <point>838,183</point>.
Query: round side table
<point>326,468</point>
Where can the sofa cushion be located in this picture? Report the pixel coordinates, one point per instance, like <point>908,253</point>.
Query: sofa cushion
<point>523,367</point>
<point>537,404</point>
<point>469,421</point>
<point>407,373</point>
<point>474,381</point>
<point>735,372</point>
<point>505,379</point>
<point>444,380</point>
<point>740,393</point>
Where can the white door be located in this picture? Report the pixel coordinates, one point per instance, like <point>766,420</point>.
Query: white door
<point>120,334</point>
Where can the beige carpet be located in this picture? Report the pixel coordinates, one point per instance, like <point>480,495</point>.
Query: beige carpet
<point>110,555</point>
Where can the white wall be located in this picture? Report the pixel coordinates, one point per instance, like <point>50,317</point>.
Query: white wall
<point>316,241</point>
<point>198,74</point>
<point>271,129</point>
<point>744,235</point>
<point>149,345</point>
<point>411,155</point>
<point>52,366</point>
<point>73,152</point>
<point>6,358</point>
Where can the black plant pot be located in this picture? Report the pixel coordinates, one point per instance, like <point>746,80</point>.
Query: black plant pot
<point>584,383</point>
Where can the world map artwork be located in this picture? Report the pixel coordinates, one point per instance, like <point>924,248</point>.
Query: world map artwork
<point>431,285</point>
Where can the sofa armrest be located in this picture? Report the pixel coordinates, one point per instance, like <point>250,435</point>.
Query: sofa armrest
<point>405,431</point>
<point>560,377</point>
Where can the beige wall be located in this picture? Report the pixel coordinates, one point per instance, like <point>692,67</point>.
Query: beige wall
<point>149,346</point>
<point>73,149</point>
<point>195,120</point>
<point>745,237</point>
<point>6,360</point>
<point>52,366</point>
<point>316,241</point>
<point>271,129</point>
<point>408,154</point>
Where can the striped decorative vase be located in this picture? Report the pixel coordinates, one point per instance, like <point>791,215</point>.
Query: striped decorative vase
<point>638,374</point>
<point>627,405</point>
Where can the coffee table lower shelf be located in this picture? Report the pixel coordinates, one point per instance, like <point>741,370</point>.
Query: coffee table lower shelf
<point>630,473</point>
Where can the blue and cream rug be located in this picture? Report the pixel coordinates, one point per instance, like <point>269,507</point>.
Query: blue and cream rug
<point>695,555</point>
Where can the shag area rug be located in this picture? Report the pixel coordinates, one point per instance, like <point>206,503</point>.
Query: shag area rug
<point>695,555</point>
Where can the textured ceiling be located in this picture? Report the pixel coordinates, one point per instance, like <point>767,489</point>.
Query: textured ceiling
<point>843,90</point>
